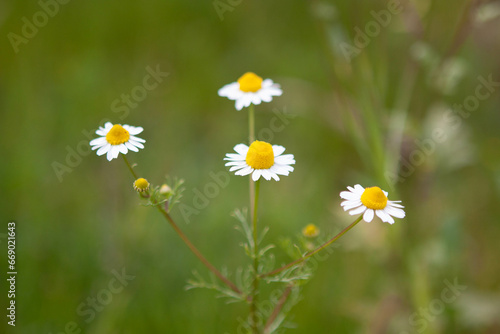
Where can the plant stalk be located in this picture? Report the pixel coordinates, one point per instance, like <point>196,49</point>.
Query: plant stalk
<point>255,287</point>
<point>311,253</point>
<point>186,240</point>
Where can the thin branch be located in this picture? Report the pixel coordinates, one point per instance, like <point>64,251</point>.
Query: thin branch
<point>311,253</point>
<point>129,166</point>
<point>198,254</point>
<point>277,309</point>
<point>188,242</point>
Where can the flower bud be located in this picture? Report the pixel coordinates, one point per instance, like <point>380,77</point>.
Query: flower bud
<point>141,185</point>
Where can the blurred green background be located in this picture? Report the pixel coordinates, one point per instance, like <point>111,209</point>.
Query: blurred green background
<point>350,121</point>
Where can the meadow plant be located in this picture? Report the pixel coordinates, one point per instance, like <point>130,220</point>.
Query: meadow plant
<point>261,161</point>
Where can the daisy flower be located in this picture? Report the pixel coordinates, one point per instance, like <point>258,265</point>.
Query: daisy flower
<point>117,139</point>
<point>260,159</point>
<point>250,88</point>
<point>371,201</point>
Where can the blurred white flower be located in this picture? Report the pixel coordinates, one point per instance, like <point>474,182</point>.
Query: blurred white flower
<point>250,88</point>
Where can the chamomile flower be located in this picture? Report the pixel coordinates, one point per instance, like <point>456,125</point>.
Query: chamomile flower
<point>260,159</point>
<point>116,139</point>
<point>250,88</point>
<point>371,201</point>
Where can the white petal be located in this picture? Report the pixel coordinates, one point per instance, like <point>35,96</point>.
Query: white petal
<point>286,156</point>
<point>223,90</point>
<point>115,149</point>
<point>245,171</point>
<point>136,144</point>
<point>255,98</point>
<point>234,157</point>
<point>243,101</point>
<point>256,174</point>
<point>278,150</point>
<point>286,159</point>
<point>274,91</point>
<point>395,204</point>
<point>98,141</point>
<point>235,163</point>
<point>382,215</point>
<point>348,202</point>
<point>131,147</point>
<point>287,168</point>
<point>239,104</point>
<point>359,189</point>
<point>272,88</point>
<point>137,139</point>
<point>104,149</point>
<point>241,149</point>
<point>246,99</point>
<point>232,169</point>
<point>97,147</point>
<point>102,132</point>
<point>267,83</point>
<point>368,216</point>
<point>109,155</point>
<point>348,205</point>
<point>108,125</point>
<point>349,195</point>
<point>284,162</point>
<point>229,89</point>
<point>398,213</point>
<point>357,211</point>
<point>123,149</point>
<point>281,170</point>
<point>266,174</point>
<point>265,96</point>
<point>133,130</point>
<point>275,176</point>
<point>235,94</point>
<point>388,217</point>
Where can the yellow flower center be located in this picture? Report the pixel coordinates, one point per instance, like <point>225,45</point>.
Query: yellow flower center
<point>260,155</point>
<point>310,231</point>
<point>374,198</point>
<point>117,135</point>
<point>141,184</point>
<point>250,82</point>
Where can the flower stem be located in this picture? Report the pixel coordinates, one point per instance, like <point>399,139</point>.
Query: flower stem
<point>251,139</point>
<point>311,253</point>
<point>129,166</point>
<point>188,243</point>
<point>255,288</point>
<point>277,309</point>
<point>254,222</point>
<point>251,124</point>
<point>198,254</point>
